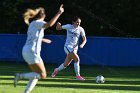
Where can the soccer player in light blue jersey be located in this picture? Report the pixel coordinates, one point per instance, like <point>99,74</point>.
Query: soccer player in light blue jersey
<point>31,49</point>
<point>71,46</point>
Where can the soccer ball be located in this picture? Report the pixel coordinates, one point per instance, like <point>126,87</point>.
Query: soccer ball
<point>100,79</point>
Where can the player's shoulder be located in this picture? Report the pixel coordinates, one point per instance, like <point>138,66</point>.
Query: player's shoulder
<point>68,25</point>
<point>81,28</point>
<point>39,21</point>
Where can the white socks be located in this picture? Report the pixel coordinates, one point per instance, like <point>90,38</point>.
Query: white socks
<point>31,84</point>
<point>77,68</point>
<point>61,67</point>
<point>31,75</point>
<point>33,79</point>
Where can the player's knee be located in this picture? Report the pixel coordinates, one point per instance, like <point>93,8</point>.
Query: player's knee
<point>77,60</point>
<point>65,65</point>
<point>43,75</point>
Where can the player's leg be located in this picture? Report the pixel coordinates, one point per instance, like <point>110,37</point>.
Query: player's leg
<point>62,66</point>
<point>38,68</point>
<point>66,62</point>
<point>30,86</point>
<point>38,71</point>
<point>77,66</point>
<point>35,63</point>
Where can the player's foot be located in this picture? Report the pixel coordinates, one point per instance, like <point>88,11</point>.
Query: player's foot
<point>80,78</point>
<point>16,79</point>
<point>55,72</point>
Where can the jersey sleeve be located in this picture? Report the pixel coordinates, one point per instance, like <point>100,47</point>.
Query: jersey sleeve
<point>40,24</point>
<point>82,32</point>
<point>65,26</point>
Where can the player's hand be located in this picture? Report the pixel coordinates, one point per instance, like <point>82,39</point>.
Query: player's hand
<point>46,40</point>
<point>58,24</point>
<point>81,46</point>
<point>61,9</point>
<point>49,41</point>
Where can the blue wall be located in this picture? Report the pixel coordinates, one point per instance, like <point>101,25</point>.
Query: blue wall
<point>105,51</point>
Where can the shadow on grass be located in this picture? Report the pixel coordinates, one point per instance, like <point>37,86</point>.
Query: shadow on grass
<point>75,86</point>
<point>134,88</point>
<point>66,78</point>
<point>136,82</point>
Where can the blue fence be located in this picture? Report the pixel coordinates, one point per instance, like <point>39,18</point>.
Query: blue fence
<point>105,51</point>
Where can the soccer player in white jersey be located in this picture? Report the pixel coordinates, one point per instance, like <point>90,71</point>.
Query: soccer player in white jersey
<point>31,49</point>
<point>71,46</point>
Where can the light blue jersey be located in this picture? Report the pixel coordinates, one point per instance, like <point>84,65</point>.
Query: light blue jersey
<point>32,47</point>
<point>34,35</point>
<point>73,35</point>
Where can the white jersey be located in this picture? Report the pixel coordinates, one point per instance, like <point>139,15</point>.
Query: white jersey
<point>73,35</point>
<point>34,36</point>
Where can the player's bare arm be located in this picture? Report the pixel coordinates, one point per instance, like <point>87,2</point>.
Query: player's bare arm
<point>84,41</point>
<point>54,19</point>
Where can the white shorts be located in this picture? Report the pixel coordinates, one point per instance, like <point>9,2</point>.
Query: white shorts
<point>69,50</point>
<point>30,57</point>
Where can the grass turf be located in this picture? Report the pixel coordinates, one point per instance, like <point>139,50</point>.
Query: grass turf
<point>118,79</point>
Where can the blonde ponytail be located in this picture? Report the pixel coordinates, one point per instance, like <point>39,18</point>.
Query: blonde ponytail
<point>30,13</point>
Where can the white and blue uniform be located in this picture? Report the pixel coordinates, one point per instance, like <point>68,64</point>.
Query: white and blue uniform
<point>73,35</point>
<point>32,47</point>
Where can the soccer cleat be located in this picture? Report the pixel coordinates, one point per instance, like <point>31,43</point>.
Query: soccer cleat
<point>55,72</point>
<point>80,78</point>
<point>17,78</point>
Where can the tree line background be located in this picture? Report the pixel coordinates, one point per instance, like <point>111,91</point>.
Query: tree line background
<point>115,18</point>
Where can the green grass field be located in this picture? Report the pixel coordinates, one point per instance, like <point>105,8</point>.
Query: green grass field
<point>118,79</point>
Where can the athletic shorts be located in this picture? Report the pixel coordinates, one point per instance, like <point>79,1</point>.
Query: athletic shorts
<point>30,56</point>
<point>69,49</point>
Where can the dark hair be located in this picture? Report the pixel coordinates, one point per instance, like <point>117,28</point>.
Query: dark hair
<point>75,18</point>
